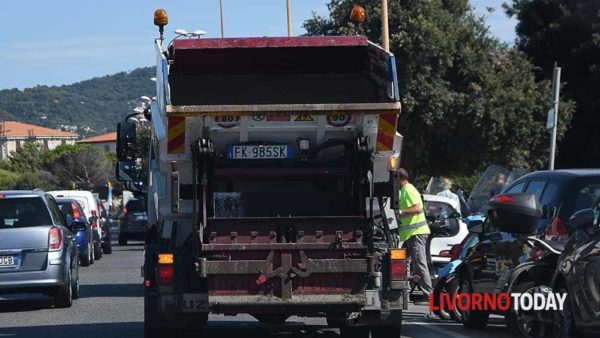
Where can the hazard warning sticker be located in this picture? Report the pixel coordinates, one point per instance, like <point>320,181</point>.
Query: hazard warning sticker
<point>304,118</point>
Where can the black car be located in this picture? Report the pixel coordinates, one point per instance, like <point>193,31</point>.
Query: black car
<point>578,275</point>
<point>498,263</point>
<point>134,221</point>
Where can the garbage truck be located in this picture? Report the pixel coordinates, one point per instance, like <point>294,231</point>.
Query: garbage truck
<point>269,184</point>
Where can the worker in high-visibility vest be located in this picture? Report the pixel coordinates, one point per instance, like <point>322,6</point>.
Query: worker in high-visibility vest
<point>413,230</point>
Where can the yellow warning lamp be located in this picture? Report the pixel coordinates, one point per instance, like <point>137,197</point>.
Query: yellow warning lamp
<point>358,14</point>
<point>161,19</point>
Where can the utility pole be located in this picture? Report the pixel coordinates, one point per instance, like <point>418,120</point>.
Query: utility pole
<point>222,22</point>
<point>385,27</point>
<point>553,114</point>
<point>289,17</point>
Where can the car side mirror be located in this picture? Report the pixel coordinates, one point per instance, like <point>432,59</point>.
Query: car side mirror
<point>582,219</point>
<point>126,138</point>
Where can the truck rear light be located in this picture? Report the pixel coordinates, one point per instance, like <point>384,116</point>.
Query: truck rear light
<point>165,274</point>
<point>54,239</point>
<point>166,259</point>
<point>398,264</point>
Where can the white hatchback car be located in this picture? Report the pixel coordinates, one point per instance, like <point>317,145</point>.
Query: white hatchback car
<point>90,208</point>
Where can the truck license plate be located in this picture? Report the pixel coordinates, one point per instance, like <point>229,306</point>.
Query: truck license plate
<point>195,302</point>
<point>258,152</point>
<point>7,261</point>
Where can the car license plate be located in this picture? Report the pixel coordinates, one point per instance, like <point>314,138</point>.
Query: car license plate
<point>194,302</point>
<point>258,152</point>
<point>7,261</point>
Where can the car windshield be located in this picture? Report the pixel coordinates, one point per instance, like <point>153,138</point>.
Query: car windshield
<point>23,212</point>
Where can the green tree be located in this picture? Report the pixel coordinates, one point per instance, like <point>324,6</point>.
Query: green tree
<point>79,163</point>
<point>567,32</point>
<point>468,100</point>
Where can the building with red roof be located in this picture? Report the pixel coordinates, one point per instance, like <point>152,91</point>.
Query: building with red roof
<point>106,142</point>
<point>14,134</point>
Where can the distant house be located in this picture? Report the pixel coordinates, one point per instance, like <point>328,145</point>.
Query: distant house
<point>14,134</point>
<point>106,142</point>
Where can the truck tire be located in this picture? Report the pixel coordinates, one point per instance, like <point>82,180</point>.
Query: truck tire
<point>390,331</point>
<point>472,319</point>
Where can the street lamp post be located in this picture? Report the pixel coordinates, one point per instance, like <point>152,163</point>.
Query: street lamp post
<point>289,17</point>
<point>222,21</point>
<point>385,27</point>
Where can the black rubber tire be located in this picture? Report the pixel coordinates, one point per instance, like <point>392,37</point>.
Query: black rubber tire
<point>122,240</point>
<point>64,295</point>
<point>75,285</point>
<point>152,320</point>
<point>355,331</point>
<point>440,287</point>
<point>512,320</point>
<point>453,288</point>
<point>476,320</point>
<point>107,248</point>
<point>97,251</point>
<point>87,259</point>
<point>393,331</point>
<point>563,323</point>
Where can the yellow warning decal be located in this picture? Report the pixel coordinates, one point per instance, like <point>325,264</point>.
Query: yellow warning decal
<point>304,118</point>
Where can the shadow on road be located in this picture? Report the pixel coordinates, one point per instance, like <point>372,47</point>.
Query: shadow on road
<point>217,329</point>
<point>23,305</point>
<point>111,290</point>
<point>130,248</point>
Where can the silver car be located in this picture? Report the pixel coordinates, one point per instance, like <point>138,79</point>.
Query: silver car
<point>37,250</point>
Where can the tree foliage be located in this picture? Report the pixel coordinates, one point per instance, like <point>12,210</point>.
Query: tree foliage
<point>96,103</point>
<point>33,167</point>
<point>567,32</point>
<point>468,100</point>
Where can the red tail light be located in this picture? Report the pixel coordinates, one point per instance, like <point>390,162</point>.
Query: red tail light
<point>398,270</point>
<point>54,239</point>
<point>75,211</point>
<point>557,230</point>
<point>503,199</point>
<point>165,274</point>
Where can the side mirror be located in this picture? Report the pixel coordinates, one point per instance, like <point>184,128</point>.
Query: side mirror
<point>582,219</point>
<point>126,171</point>
<point>126,138</point>
<point>78,225</point>
<point>515,213</point>
<point>475,226</point>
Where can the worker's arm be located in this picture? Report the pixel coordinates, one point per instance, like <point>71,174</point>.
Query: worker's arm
<point>412,210</point>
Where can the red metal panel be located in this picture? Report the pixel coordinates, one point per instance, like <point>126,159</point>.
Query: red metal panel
<point>303,41</point>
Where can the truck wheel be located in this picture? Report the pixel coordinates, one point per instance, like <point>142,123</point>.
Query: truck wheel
<point>391,331</point>
<point>472,319</point>
<point>355,331</point>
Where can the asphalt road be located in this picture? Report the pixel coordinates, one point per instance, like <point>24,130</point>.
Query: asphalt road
<point>111,306</point>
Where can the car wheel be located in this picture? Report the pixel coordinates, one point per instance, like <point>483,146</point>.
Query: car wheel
<point>92,254</point>
<point>393,331</point>
<point>64,295</point>
<point>108,247</point>
<point>122,240</point>
<point>75,285</point>
<point>439,288</point>
<point>563,323</point>
<point>472,319</point>
<point>97,251</point>
<point>86,259</point>
<point>355,331</point>
<point>524,323</point>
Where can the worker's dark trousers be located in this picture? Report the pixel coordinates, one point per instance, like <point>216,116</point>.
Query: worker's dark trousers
<point>417,261</point>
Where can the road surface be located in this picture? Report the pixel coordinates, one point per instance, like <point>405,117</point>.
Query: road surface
<point>111,306</point>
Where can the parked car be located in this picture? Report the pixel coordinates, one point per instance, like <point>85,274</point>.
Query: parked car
<point>38,253</point>
<point>73,213</point>
<point>90,208</point>
<point>496,263</point>
<point>134,221</point>
<point>578,275</point>
<point>105,224</point>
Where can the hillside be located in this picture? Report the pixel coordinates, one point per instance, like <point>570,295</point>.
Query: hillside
<point>98,103</point>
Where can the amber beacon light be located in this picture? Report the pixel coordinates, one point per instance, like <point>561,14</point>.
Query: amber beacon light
<point>161,19</point>
<point>358,14</point>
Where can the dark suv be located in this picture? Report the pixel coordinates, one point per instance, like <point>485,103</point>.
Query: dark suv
<point>38,253</point>
<point>134,221</point>
<point>491,265</point>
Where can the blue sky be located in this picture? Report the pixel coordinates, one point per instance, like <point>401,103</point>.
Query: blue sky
<point>64,41</point>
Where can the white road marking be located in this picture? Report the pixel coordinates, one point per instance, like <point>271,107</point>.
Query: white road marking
<point>432,327</point>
